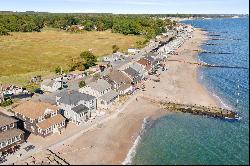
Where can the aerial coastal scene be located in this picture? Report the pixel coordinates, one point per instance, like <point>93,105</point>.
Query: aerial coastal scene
<point>142,82</point>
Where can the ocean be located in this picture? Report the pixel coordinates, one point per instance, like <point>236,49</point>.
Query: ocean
<point>187,139</point>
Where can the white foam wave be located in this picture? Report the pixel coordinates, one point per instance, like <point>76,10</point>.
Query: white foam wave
<point>224,105</point>
<point>132,150</point>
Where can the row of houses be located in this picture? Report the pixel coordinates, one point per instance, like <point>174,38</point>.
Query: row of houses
<point>79,106</point>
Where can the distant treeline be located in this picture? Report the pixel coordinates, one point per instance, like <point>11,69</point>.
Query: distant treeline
<point>125,24</point>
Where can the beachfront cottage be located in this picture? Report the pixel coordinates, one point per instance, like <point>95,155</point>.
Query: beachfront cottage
<point>77,107</point>
<point>140,69</point>
<point>40,118</point>
<point>120,81</point>
<point>134,75</point>
<point>107,100</point>
<point>146,64</point>
<point>52,85</point>
<point>10,136</point>
<point>97,88</point>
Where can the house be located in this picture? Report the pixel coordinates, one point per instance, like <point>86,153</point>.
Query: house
<point>97,88</point>
<point>133,50</point>
<point>77,107</point>
<point>147,64</point>
<point>134,75</point>
<point>40,118</point>
<point>10,135</point>
<point>52,85</point>
<point>107,100</point>
<point>140,69</point>
<point>114,57</point>
<point>118,80</point>
<point>125,89</point>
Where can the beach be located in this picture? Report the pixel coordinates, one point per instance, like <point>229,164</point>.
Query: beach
<point>110,141</point>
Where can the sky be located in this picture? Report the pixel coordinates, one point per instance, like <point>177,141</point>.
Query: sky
<point>129,6</point>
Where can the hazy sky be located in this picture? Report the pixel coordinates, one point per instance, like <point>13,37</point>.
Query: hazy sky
<point>129,6</point>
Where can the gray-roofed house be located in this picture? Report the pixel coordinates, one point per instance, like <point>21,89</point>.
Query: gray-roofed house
<point>77,107</point>
<point>118,80</point>
<point>107,100</point>
<point>9,134</point>
<point>97,88</point>
<point>134,75</point>
<point>140,69</point>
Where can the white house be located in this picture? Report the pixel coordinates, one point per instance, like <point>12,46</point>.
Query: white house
<point>77,107</point>
<point>107,100</point>
<point>52,85</point>
<point>133,50</point>
<point>97,88</point>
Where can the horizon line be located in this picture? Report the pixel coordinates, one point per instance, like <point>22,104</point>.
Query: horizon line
<point>82,12</point>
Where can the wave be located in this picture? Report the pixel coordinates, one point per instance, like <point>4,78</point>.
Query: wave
<point>132,151</point>
<point>223,104</point>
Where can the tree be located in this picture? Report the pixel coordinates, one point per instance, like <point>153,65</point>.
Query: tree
<point>82,84</point>
<point>3,30</point>
<point>89,59</point>
<point>115,48</point>
<point>89,25</point>
<point>58,70</point>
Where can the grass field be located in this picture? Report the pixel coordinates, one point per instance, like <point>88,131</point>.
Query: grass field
<point>24,55</point>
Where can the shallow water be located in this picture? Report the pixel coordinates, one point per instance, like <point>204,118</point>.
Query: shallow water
<point>188,139</point>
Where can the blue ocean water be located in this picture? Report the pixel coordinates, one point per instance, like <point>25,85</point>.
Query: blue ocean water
<point>188,139</point>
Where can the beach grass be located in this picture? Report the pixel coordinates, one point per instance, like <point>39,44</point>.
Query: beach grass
<point>24,55</point>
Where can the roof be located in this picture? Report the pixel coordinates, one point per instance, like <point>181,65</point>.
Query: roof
<point>6,120</point>
<point>10,134</point>
<point>132,72</point>
<point>119,77</point>
<point>136,66</point>
<point>124,87</point>
<point>143,62</point>
<point>34,110</point>
<point>100,85</point>
<point>109,96</point>
<point>73,97</point>
<point>51,121</point>
<point>149,58</point>
<point>80,109</point>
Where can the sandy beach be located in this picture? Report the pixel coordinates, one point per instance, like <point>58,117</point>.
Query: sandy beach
<point>110,142</point>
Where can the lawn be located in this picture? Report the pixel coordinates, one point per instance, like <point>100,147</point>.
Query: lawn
<point>24,55</point>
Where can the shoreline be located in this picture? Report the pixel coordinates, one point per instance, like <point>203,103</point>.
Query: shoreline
<point>115,140</point>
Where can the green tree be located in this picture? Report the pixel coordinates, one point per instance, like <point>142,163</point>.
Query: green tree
<point>82,84</point>
<point>58,70</point>
<point>3,30</point>
<point>115,48</point>
<point>89,59</point>
<point>89,25</point>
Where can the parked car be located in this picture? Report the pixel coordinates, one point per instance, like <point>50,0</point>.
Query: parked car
<point>39,91</point>
<point>28,148</point>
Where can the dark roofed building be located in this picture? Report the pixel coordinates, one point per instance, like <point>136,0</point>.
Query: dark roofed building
<point>10,136</point>
<point>77,107</point>
<point>73,97</point>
